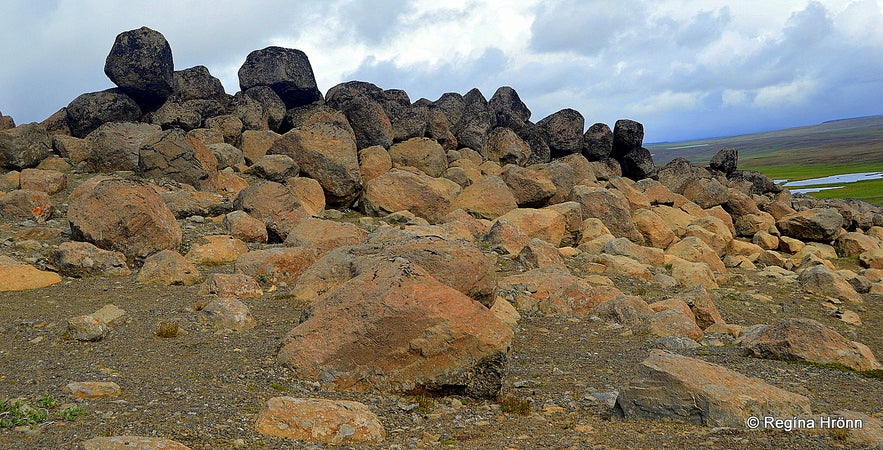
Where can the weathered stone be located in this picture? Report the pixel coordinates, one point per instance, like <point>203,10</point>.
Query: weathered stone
<point>583,170</point>
<point>229,125</point>
<point>812,224</point>
<point>140,63</point>
<point>328,155</point>
<point>804,339</point>
<point>690,274</point>
<point>275,265</point>
<point>336,422</point>
<point>562,176</point>
<point>373,162</point>
<point>274,204</point>
<point>505,147</point>
<point>872,259</point>
<point>703,307</point>
<point>196,83</point>
<point>226,155</point>
<point>546,224</point>
<point>725,160</point>
<point>673,387</point>
<point>625,247</point>
<point>86,328</point>
<point>617,264</point>
<point>245,227</point>
<point>234,285</point>
<point>705,192</point>
<point>853,244</point>
<point>116,145</point>
<point>125,216</point>
<point>824,281</point>
<point>86,390</point>
<point>23,204</point>
<point>285,70</point>
<point>531,188</point>
<point>713,232</point>
<point>539,254</point>
<point>89,111</point>
<point>169,268</point>
<point>637,164</point>
<point>24,146</point>
<point>442,339</point>
<point>553,291</point>
<point>132,443</point>
<point>323,235</point>
<point>695,250</point>
<point>565,131</point>
<point>216,249</point>
<point>82,259</point>
<point>625,309</point>
<point>187,202</point>
<point>399,190</point>
<point>111,315</point>
<point>674,322</point>
<point>510,110</point>
<point>506,237</point>
<point>173,155</point>
<point>421,153</point>
<point>611,208</point>
<point>627,136</point>
<point>274,168</point>
<point>228,313</point>
<point>597,142</point>
<point>16,276</point>
<point>870,433</point>
<point>654,229</point>
<point>487,198</point>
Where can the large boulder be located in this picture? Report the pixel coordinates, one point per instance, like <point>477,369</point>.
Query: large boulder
<point>565,131</point>
<point>486,198</point>
<point>171,154</point>
<point>88,111</point>
<point>273,109</point>
<point>477,121</point>
<point>611,208</point>
<point>287,71</point>
<point>673,387</point>
<point>82,259</point>
<point>18,276</point>
<point>276,265</point>
<point>637,164</point>
<point>140,63</point>
<point>399,190</point>
<point>531,188</point>
<point>725,160</point>
<point>125,216</point>
<point>277,205</point>
<point>801,339</point>
<point>510,110</point>
<point>505,147</point>
<point>821,280</point>
<point>597,142</point>
<point>395,328</point>
<point>553,290</point>
<point>421,153</point>
<point>538,140</point>
<point>817,224</point>
<point>24,146</point>
<point>327,154</point>
<point>196,83</point>
<point>116,145</point>
<point>627,136</point>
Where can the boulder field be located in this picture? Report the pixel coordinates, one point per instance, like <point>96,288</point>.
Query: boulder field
<point>417,235</point>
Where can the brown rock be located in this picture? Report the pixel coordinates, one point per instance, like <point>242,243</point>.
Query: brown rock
<point>48,181</point>
<point>228,313</point>
<point>539,254</point>
<point>327,154</point>
<point>216,249</point>
<point>703,307</point>
<point>818,224</point>
<point>24,146</point>
<point>870,433</point>
<point>85,390</point>
<point>654,229</point>
<point>554,291</point>
<point>169,268</point>
<point>188,202</point>
<point>230,184</point>
<point>622,265</point>
<point>625,309</point>
<point>690,274</point>
<point>486,198</point>
<point>505,147</point>
<point>695,250</point>
<point>274,168</point>
<point>531,188</point>
<point>713,232</point>
<point>112,146</point>
<point>173,155</point>
<point>336,422</point>
<point>245,227</point>
<point>853,244</point>
<point>673,387</point>
<point>82,259</point>
<point>125,216</point>
<point>235,285</point>
<point>421,153</point>
<point>824,281</point>
<point>399,190</point>
<point>440,337</point>
<point>611,208</point>
<point>641,254</point>
<point>16,276</point>
<point>323,235</point>
<point>674,322</point>
<point>546,224</point>
<point>23,204</point>
<point>373,162</point>
<point>804,339</point>
<point>256,143</point>
<point>562,176</point>
<point>872,259</point>
<point>276,264</point>
<point>86,328</point>
<point>274,204</point>
<point>506,237</point>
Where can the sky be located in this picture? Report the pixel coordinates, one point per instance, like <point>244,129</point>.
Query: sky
<point>685,69</point>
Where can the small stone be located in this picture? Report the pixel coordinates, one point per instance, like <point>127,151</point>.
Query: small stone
<point>320,420</point>
<point>92,389</point>
<point>86,328</point>
<point>228,313</point>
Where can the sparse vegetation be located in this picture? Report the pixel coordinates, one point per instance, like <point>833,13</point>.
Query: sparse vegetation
<point>71,413</point>
<point>20,412</point>
<point>168,330</point>
<point>514,405</point>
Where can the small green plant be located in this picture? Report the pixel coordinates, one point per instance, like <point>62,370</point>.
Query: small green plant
<point>262,278</point>
<point>278,387</point>
<point>448,442</point>
<point>514,405</point>
<point>19,413</point>
<point>47,401</point>
<point>70,414</point>
<point>872,373</point>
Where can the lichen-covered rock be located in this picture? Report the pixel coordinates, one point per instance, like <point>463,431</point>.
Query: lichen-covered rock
<point>24,146</point>
<point>285,70</point>
<point>335,422</point>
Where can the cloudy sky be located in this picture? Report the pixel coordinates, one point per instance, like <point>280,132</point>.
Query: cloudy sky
<point>684,68</point>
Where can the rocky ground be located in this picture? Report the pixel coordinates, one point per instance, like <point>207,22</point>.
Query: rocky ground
<point>205,388</point>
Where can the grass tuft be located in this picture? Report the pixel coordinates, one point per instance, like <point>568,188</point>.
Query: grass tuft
<point>514,405</point>
<point>168,330</point>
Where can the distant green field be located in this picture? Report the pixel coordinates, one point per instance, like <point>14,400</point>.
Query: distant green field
<point>831,148</point>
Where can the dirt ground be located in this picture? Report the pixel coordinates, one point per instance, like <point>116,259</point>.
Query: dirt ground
<point>205,387</point>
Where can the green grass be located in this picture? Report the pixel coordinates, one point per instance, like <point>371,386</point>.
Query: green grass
<point>870,191</point>
<point>23,412</point>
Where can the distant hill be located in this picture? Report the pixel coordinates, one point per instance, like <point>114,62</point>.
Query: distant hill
<point>857,140</point>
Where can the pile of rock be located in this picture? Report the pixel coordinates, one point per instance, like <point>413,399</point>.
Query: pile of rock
<point>414,300</point>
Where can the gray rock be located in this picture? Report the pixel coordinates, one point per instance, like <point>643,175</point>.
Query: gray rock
<point>510,110</point>
<point>725,160</point>
<point>88,111</point>
<point>598,142</point>
<point>627,136</point>
<point>86,328</point>
<point>565,131</point>
<point>140,63</point>
<point>287,71</point>
<point>196,83</point>
<point>116,145</point>
<point>637,164</point>
<point>274,168</point>
<point>24,146</point>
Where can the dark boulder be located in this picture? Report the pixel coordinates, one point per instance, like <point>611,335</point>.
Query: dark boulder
<point>565,131</point>
<point>196,83</point>
<point>171,154</point>
<point>510,110</point>
<point>340,95</point>
<point>453,105</point>
<point>88,111</point>
<point>477,121</point>
<point>286,70</point>
<point>358,100</point>
<point>140,63</point>
<point>272,107</point>
<point>538,141</point>
<point>637,164</point>
<point>725,160</point>
<point>759,183</point>
<point>598,142</point>
<point>627,136</point>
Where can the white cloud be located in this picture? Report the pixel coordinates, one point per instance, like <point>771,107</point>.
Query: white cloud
<point>794,93</point>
